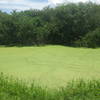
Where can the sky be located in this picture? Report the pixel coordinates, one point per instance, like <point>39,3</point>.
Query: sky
<point>8,5</point>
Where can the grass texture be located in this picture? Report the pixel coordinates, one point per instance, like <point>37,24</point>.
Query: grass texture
<point>50,66</point>
<point>12,89</point>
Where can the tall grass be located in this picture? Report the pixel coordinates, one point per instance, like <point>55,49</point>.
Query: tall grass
<point>13,89</point>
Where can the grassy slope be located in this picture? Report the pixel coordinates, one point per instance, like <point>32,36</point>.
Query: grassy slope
<point>50,65</point>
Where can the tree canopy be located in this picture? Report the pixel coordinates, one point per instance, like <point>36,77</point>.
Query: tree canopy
<point>66,24</point>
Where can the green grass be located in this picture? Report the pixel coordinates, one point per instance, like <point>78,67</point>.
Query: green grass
<point>50,66</point>
<point>12,89</point>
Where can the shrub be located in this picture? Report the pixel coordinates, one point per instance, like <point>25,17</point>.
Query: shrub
<point>91,39</point>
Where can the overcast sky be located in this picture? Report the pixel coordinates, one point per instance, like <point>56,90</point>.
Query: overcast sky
<point>7,5</point>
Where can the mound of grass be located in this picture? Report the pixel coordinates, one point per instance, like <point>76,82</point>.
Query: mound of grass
<point>12,89</point>
<point>51,66</point>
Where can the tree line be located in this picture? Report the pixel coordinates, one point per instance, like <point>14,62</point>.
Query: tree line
<point>67,24</point>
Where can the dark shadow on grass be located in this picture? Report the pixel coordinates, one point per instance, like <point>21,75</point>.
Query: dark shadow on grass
<point>43,45</point>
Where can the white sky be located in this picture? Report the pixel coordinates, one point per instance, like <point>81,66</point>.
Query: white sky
<point>61,1</point>
<point>36,4</point>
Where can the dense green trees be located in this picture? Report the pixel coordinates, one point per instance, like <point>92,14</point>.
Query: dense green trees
<point>91,39</point>
<point>67,24</point>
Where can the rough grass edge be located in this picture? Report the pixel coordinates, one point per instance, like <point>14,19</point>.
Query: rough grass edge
<point>14,89</point>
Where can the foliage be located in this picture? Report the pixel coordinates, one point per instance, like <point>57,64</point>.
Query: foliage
<point>63,24</point>
<point>91,39</point>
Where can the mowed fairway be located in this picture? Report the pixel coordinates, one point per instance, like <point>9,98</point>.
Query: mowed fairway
<point>50,65</point>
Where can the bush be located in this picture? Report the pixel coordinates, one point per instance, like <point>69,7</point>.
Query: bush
<point>91,39</point>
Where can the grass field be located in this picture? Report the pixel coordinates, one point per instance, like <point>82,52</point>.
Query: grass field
<point>12,89</point>
<point>50,65</point>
